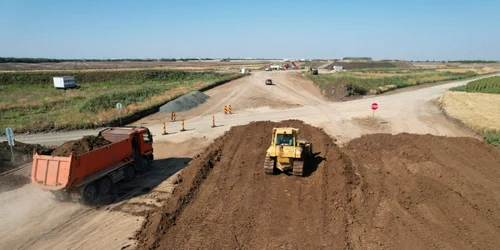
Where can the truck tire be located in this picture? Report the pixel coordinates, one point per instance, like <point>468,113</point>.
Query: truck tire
<point>104,185</point>
<point>88,195</point>
<point>129,173</point>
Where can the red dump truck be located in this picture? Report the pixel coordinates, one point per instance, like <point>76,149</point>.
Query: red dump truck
<point>93,174</point>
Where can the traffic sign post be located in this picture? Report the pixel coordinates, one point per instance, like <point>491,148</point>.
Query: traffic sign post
<point>119,106</point>
<point>10,140</point>
<point>374,107</point>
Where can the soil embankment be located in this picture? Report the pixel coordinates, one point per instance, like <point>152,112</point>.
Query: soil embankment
<point>23,154</point>
<point>425,192</point>
<point>397,192</point>
<point>224,199</point>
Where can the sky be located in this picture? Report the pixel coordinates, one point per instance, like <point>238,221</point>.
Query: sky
<point>103,29</point>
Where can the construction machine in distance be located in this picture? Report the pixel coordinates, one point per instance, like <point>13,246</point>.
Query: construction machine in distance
<point>287,152</point>
<point>269,82</point>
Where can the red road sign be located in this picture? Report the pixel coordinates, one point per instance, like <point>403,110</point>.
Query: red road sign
<point>374,106</point>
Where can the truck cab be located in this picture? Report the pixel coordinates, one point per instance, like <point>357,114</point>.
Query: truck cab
<point>142,141</point>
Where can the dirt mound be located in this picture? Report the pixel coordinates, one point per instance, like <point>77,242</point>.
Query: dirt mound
<point>224,199</point>
<point>185,102</point>
<point>425,192</point>
<point>380,191</point>
<point>84,145</point>
<point>22,154</point>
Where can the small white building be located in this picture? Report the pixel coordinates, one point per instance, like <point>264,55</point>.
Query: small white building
<point>63,82</point>
<point>243,71</point>
<point>338,67</point>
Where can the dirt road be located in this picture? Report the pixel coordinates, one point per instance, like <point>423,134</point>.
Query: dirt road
<point>31,219</point>
<point>289,90</point>
<point>408,111</point>
<point>293,97</point>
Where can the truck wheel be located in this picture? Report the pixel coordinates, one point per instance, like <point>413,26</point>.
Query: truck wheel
<point>129,173</point>
<point>89,194</point>
<point>104,185</point>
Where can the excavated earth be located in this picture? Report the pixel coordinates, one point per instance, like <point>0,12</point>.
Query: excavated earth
<point>380,191</point>
<point>84,145</point>
<point>23,153</point>
<point>225,201</point>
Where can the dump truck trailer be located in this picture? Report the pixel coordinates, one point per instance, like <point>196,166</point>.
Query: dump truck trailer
<point>88,176</point>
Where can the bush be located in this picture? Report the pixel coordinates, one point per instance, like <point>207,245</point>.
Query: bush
<point>109,100</point>
<point>493,139</point>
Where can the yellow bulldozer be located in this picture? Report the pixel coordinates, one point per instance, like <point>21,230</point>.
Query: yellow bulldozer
<point>287,152</point>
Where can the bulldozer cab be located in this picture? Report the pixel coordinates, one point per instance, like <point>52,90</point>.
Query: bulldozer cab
<point>285,137</point>
<point>284,140</point>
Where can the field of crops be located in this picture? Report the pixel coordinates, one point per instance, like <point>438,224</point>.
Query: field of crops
<point>490,85</point>
<point>478,111</point>
<point>29,101</point>
<point>376,81</point>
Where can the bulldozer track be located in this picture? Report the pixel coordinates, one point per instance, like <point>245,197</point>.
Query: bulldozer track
<point>298,168</point>
<point>269,165</point>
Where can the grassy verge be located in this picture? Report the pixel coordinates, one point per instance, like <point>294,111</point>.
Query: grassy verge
<point>493,139</point>
<point>29,102</point>
<point>489,85</point>
<point>376,81</point>
<point>478,111</point>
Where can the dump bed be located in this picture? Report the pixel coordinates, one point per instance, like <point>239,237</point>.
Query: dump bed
<point>58,173</point>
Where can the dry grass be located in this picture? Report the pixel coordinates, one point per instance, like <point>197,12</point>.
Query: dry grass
<point>479,70</point>
<point>133,66</point>
<point>479,111</point>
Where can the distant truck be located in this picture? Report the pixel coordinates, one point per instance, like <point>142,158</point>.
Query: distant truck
<point>64,82</point>
<point>269,82</point>
<point>275,67</point>
<point>93,174</point>
<point>313,71</point>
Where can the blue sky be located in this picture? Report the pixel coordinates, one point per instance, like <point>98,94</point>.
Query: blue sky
<point>410,30</point>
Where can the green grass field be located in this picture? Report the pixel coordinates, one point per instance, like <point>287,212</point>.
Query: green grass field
<point>376,81</point>
<point>29,101</point>
<point>490,85</point>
